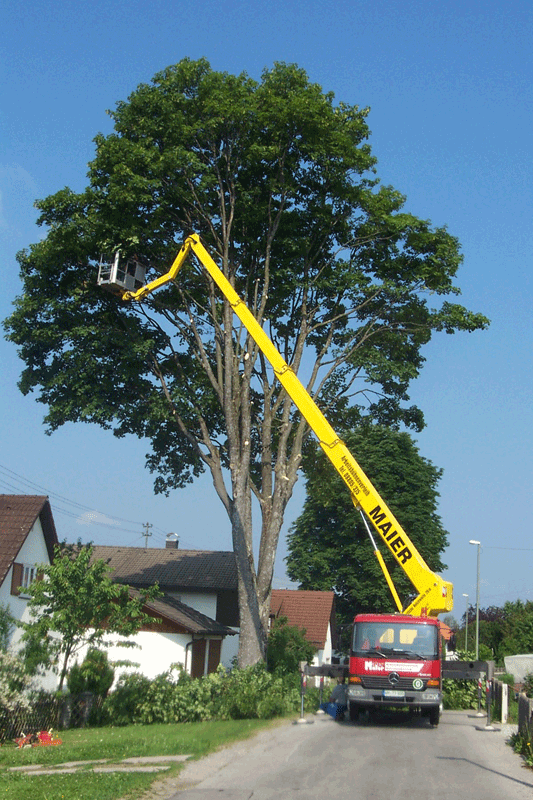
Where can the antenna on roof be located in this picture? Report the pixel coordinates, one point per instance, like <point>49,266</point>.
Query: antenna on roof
<point>147,534</point>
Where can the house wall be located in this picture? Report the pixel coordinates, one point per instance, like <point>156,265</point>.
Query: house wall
<point>205,603</point>
<point>32,552</point>
<point>155,653</point>
<point>323,656</point>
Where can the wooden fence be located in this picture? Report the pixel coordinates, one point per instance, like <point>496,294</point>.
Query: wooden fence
<point>50,711</point>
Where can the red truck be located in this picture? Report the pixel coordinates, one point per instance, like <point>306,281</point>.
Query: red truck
<point>395,662</point>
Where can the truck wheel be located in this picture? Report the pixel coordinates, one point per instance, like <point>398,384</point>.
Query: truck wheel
<point>354,712</point>
<point>434,716</point>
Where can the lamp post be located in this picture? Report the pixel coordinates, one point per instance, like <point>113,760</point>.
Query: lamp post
<point>466,623</point>
<point>478,544</point>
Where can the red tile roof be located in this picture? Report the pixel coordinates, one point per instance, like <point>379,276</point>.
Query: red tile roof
<point>196,570</point>
<point>18,513</point>
<point>313,611</point>
<point>445,630</point>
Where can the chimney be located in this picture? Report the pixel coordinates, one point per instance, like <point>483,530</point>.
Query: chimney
<point>172,541</point>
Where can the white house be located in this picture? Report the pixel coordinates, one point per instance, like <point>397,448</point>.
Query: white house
<point>198,609</point>
<point>27,538</point>
<point>196,620</point>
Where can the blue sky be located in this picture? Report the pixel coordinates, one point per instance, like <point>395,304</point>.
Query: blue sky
<point>449,85</point>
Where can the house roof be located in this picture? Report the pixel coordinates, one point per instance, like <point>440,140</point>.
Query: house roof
<point>313,611</point>
<point>446,631</point>
<point>18,514</point>
<point>183,615</point>
<point>198,570</point>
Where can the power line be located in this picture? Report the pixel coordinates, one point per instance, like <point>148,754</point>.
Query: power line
<point>9,476</point>
<point>495,547</point>
<point>9,480</point>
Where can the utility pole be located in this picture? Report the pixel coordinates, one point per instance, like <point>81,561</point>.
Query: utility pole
<point>466,623</point>
<point>478,545</point>
<point>147,534</point>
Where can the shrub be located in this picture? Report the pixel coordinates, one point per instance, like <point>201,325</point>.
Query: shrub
<point>528,685</point>
<point>251,693</point>
<point>6,627</point>
<point>459,694</point>
<point>122,705</point>
<point>14,682</point>
<point>95,674</point>
<point>287,646</point>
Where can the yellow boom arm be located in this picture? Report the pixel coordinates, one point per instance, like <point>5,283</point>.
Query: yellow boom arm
<point>435,595</point>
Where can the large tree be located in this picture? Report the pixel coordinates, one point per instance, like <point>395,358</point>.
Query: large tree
<point>329,546</point>
<point>279,181</point>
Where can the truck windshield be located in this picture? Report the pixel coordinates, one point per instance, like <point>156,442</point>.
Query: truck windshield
<point>395,639</point>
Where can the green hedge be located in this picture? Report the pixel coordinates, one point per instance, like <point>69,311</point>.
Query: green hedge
<point>251,693</point>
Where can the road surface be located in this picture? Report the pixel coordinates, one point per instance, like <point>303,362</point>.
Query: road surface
<point>381,759</point>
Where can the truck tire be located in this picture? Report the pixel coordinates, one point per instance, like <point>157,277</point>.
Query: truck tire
<point>354,712</point>
<point>434,716</point>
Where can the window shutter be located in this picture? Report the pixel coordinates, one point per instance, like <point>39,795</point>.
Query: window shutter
<point>213,659</point>
<point>16,579</point>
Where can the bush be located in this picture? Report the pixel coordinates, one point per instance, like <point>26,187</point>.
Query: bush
<point>459,694</point>
<point>287,646</point>
<point>121,705</point>
<point>94,675</point>
<point>528,685</point>
<point>14,681</point>
<point>251,693</point>
<point>6,627</point>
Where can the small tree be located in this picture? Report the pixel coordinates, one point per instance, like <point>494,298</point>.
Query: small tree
<point>287,646</point>
<point>75,605</point>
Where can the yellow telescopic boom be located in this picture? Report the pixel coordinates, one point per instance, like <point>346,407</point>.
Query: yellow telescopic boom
<point>435,595</point>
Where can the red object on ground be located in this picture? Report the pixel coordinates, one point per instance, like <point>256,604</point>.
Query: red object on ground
<point>41,739</point>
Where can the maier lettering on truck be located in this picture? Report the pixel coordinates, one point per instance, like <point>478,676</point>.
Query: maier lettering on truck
<point>393,666</point>
<point>394,540</point>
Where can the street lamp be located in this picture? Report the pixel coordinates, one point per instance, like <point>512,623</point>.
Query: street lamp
<point>466,624</point>
<point>478,544</point>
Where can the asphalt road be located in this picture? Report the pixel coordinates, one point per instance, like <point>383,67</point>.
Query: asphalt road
<point>379,759</point>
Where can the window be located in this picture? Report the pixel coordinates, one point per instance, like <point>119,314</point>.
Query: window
<point>29,574</point>
<point>23,576</point>
<point>403,639</point>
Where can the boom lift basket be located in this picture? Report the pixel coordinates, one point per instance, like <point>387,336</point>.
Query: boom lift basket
<point>121,276</point>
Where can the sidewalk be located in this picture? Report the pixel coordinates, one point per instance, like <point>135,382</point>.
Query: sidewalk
<point>141,764</point>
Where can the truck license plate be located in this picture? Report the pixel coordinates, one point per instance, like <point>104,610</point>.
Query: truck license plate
<point>393,693</point>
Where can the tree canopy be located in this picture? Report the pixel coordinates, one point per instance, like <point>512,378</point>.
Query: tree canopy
<point>75,605</point>
<point>328,546</point>
<point>280,182</point>
<point>503,630</point>
<point>287,646</point>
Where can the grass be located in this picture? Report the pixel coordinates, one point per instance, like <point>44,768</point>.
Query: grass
<point>113,744</point>
<point>512,717</point>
